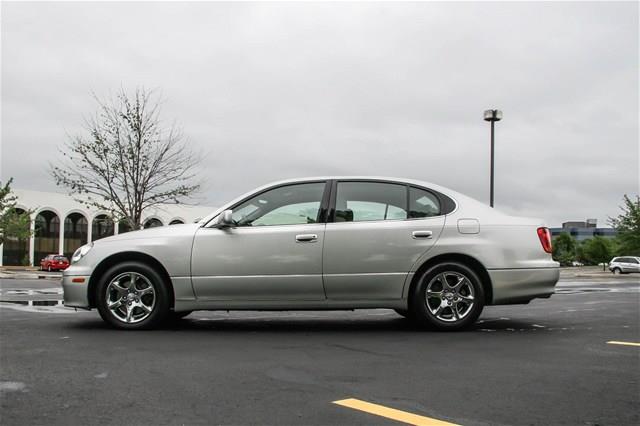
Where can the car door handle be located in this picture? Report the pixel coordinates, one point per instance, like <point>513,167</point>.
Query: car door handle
<point>422,234</point>
<point>307,238</point>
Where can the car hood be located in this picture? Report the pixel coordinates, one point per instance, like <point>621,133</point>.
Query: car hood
<point>157,232</point>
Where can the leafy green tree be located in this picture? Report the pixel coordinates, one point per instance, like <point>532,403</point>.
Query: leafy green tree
<point>564,249</point>
<point>597,250</point>
<point>627,226</point>
<point>12,223</point>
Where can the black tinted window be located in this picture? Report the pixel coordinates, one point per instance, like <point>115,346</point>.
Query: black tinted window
<point>423,203</point>
<point>361,201</point>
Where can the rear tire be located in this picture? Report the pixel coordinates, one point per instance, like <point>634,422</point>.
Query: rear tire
<point>132,296</point>
<point>448,297</point>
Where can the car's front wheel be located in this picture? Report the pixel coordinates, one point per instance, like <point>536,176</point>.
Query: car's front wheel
<point>617,271</point>
<point>132,295</point>
<point>449,296</point>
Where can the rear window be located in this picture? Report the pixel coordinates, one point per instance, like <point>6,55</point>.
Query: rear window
<point>62,258</point>
<point>422,203</point>
<point>365,201</point>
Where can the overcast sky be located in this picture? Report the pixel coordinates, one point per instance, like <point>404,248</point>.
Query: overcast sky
<point>275,91</point>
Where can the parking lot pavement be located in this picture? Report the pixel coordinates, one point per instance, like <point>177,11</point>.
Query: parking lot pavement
<point>543,363</point>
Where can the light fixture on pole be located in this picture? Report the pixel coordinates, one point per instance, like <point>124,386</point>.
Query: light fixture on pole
<point>492,115</point>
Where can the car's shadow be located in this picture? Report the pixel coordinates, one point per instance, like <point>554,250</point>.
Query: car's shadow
<point>310,325</point>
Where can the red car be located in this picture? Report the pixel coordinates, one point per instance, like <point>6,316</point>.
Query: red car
<point>54,262</point>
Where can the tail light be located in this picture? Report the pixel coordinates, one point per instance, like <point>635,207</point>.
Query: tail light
<point>545,239</point>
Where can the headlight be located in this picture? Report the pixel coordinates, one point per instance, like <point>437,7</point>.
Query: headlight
<point>81,252</point>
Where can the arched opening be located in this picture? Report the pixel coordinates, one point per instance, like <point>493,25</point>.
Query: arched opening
<point>176,222</point>
<point>152,223</point>
<point>76,229</point>
<point>47,235</point>
<point>101,227</point>
<point>124,226</point>
<point>15,251</point>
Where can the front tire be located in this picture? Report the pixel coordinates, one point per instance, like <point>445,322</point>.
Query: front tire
<point>616,271</point>
<point>132,295</point>
<point>448,297</point>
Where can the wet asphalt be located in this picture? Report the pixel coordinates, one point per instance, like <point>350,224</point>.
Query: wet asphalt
<point>543,363</point>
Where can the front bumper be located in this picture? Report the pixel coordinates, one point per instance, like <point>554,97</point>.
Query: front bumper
<point>76,294</point>
<point>512,286</point>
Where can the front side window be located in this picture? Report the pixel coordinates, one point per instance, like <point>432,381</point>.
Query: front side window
<point>285,205</point>
<point>364,201</point>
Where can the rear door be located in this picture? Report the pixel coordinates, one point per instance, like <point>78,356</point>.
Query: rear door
<point>376,232</point>
<point>632,264</point>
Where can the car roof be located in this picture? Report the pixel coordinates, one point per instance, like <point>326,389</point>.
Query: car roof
<point>456,196</point>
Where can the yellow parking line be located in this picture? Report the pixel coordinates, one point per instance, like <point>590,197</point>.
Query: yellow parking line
<point>391,413</point>
<point>615,342</point>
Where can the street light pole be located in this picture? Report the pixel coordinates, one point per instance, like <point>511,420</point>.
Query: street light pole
<point>492,115</point>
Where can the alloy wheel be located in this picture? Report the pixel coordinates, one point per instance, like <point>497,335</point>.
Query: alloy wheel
<point>450,296</point>
<point>130,297</point>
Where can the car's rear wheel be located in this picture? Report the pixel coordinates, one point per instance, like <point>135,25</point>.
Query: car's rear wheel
<point>132,295</point>
<point>49,268</point>
<point>449,296</point>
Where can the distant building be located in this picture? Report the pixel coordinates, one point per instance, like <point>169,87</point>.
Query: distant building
<point>63,225</point>
<point>583,230</point>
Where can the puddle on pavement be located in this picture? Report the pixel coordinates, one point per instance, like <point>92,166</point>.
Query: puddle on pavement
<point>35,302</point>
<point>582,290</point>
<point>46,306</point>
<point>30,292</point>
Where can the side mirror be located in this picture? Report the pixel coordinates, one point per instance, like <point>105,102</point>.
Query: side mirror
<point>225,220</point>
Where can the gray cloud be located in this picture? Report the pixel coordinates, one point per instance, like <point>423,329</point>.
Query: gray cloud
<point>294,89</point>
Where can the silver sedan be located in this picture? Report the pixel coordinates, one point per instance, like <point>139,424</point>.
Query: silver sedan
<point>432,254</point>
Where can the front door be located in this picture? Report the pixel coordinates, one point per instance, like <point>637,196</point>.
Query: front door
<point>378,231</point>
<point>274,252</point>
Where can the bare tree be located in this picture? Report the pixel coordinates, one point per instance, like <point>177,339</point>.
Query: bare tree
<point>127,161</point>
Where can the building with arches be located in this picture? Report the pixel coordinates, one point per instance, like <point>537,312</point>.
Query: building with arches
<point>60,225</point>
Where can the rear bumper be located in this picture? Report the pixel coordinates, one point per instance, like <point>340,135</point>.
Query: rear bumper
<point>521,285</point>
<point>76,294</point>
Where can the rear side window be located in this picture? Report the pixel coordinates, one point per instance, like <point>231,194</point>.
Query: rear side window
<point>423,204</point>
<point>365,201</point>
